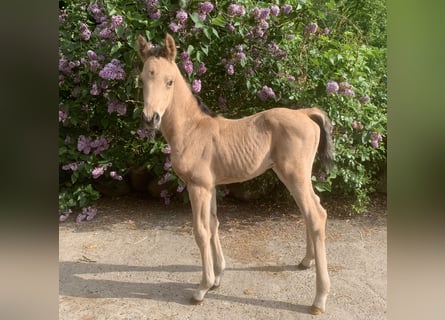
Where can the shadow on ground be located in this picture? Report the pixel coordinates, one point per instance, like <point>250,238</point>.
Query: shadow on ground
<point>76,286</point>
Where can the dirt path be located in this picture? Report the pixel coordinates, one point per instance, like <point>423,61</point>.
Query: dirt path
<point>138,260</point>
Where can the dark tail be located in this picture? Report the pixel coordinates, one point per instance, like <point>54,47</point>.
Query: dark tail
<point>325,147</point>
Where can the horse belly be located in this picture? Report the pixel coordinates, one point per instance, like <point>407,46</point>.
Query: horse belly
<point>242,167</point>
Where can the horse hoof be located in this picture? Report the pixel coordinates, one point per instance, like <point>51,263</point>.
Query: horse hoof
<point>316,310</point>
<point>196,302</point>
<point>301,266</point>
<point>214,287</point>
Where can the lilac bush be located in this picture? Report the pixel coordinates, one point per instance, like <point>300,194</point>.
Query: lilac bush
<point>240,58</point>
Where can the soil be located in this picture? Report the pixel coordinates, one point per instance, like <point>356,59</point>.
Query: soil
<point>137,259</point>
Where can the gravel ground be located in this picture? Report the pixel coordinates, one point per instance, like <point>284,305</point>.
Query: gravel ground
<point>138,260</point>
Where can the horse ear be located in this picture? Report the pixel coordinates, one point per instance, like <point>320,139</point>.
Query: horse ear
<point>143,48</point>
<point>170,47</point>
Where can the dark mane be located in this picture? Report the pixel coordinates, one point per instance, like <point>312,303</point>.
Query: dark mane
<point>204,108</point>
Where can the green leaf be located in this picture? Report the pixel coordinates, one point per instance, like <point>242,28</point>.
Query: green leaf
<point>197,20</point>
<point>219,21</point>
<point>205,49</point>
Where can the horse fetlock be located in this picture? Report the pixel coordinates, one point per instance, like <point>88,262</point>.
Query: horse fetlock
<point>319,305</point>
<point>306,263</point>
<point>199,295</point>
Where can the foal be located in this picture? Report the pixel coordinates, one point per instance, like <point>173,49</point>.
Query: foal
<point>209,150</point>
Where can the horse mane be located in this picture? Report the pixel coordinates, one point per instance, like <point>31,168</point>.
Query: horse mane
<point>204,108</point>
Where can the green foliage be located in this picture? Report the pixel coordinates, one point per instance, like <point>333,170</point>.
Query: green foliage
<point>253,61</point>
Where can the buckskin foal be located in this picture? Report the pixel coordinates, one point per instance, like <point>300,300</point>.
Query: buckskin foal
<point>209,150</point>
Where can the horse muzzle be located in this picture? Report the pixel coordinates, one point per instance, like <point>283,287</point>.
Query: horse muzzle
<point>152,122</point>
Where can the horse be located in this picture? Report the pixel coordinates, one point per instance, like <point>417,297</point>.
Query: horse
<point>209,150</point>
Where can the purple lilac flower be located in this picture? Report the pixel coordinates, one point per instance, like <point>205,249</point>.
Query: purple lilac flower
<point>205,7</point>
<point>92,55</point>
<point>95,65</point>
<point>188,66</point>
<point>151,3</point>
<point>236,10</point>
<point>96,11</point>
<point>287,8</point>
<point>155,15</point>
<point>311,28</point>
<point>95,90</point>
<point>181,15</point>
<point>230,27</point>
<point>64,215</point>
<point>116,20</point>
<point>83,144</point>
<point>65,66</point>
<point>174,27</point>
<point>80,217</point>
<point>196,86</point>
<point>106,33</point>
<point>263,25</point>
<point>167,164</point>
<point>291,78</point>
<point>201,69</point>
<point>230,69</point>
<point>85,32</point>
<point>113,71</point>
<point>164,194</point>
<point>325,31</point>
<point>62,115</point>
<point>164,179</point>
<point>375,139</point>
<point>364,99</point>
<point>275,10</point>
<point>264,13</point>
<point>97,172</point>
<point>266,93</point>
<point>240,55</point>
<point>70,166</point>
<point>100,144</point>
<point>347,92</point>
<point>116,106</point>
<point>144,133</point>
<point>115,176</point>
<point>179,189</point>
<point>89,212</point>
<point>332,87</point>
<point>167,150</point>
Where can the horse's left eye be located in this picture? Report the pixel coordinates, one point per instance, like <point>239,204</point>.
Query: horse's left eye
<point>169,83</point>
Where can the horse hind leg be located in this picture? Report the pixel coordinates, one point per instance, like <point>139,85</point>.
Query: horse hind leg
<point>308,259</point>
<point>315,216</point>
<point>219,262</point>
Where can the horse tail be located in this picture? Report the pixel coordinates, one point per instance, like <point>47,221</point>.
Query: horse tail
<point>325,146</point>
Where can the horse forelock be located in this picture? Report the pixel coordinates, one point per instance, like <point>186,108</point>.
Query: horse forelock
<point>157,52</point>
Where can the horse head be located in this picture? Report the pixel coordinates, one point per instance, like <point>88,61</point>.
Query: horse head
<point>158,77</point>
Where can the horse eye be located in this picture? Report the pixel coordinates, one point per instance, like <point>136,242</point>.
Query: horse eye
<point>169,83</point>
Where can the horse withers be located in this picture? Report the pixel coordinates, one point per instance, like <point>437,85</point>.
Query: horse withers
<point>208,150</point>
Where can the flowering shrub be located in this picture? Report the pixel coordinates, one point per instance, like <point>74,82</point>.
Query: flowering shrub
<point>240,57</point>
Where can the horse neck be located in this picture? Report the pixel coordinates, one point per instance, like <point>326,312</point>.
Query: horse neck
<point>181,116</point>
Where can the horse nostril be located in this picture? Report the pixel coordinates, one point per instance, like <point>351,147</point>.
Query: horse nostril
<point>156,117</point>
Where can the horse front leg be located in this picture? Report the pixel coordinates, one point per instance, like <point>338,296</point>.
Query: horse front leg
<point>200,198</point>
<point>219,263</point>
